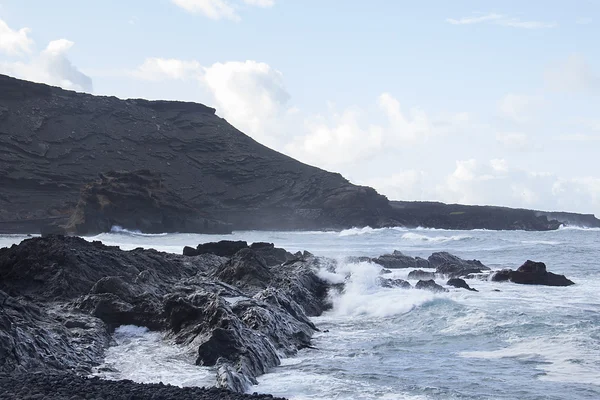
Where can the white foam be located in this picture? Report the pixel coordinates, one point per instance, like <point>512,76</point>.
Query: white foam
<point>146,357</point>
<point>137,232</point>
<point>440,239</point>
<point>364,296</point>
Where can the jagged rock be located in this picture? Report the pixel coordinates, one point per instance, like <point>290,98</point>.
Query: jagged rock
<point>399,260</point>
<point>419,274</point>
<point>532,273</point>
<point>452,266</point>
<point>245,270</point>
<point>430,285</point>
<point>137,200</point>
<point>459,283</point>
<point>77,291</point>
<point>394,283</point>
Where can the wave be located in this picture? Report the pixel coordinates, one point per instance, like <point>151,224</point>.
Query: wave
<point>363,294</point>
<point>577,228</point>
<point>544,242</point>
<point>120,230</point>
<point>440,239</point>
<point>368,230</point>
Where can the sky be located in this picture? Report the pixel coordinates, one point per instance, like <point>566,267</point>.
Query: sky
<point>475,102</point>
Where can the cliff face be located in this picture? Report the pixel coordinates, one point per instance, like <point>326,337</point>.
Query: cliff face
<point>53,142</point>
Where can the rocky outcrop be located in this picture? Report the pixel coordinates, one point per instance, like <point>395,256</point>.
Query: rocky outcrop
<point>62,296</point>
<point>137,200</point>
<point>399,260</point>
<point>394,283</point>
<point>460,284</point>
<point>54,142</point>
<point>454,267</point>
<point>532,273</point>
<point>419,274</point>
<point>430,285</point>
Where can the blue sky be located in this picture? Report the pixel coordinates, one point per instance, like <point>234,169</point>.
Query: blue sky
<point>490,102</point>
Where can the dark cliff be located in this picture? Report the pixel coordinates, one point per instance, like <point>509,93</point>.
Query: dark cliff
<point>54,143</point>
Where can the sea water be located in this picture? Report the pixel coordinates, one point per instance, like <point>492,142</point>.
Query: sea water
<point>505,341</point>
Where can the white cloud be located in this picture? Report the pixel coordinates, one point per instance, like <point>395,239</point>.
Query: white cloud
<point>14,42</point>
<point>156,69</point>
<point>404,128</point>
<point>579,137</point>
<point>214,9</point>
<point>513,140</point>
<point>475,19</point>
<point>339,139</point>
<point>251,95</point>
<point>51,66</point>
<point>260,3</point>
<point>574,74</point>
<point>502,20</point>
<point>518,106</point>
<point>406,184</point>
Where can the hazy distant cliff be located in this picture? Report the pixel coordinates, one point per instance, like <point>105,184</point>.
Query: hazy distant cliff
<point>54,142</point>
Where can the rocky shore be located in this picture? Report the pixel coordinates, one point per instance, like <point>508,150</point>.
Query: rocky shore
<point>237,307</point>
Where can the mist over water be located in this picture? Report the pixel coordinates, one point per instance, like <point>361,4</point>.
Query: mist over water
<point>521,342</point>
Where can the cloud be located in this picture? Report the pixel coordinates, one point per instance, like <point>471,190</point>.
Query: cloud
<point>251,95</point>
<point>512,140</point>
<point>572,75</point>
<point>339,139</point>
<point>51,66</point>
<point>499,19</point>
<point>214,9</point>
<point>518,107</point>
<point>475,19</point>
<point>406,184</point>
<point>14,42</point>
<point>156,69</point>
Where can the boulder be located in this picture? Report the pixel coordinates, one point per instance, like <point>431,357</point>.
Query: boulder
<point>459,283</point>
<point>453,266</point>
<point>419,274</point>
<point>430,285</point>
<point>399,260</point>
<point>532,273</point>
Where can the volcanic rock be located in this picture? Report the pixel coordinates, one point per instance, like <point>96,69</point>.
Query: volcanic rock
<point>453,266</point>
<point>430,285</point>
<point>460,283</point>
<point>419,274</point>
<point>532,273</point>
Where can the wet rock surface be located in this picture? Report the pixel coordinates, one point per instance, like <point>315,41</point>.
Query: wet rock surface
<point>460,283</point>
<point>453,266</point>
<point>430,285</point>
<point>532,273</point>
<point>63,296</point>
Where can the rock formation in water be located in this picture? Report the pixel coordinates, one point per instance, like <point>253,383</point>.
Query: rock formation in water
<point>532,273</point>
<point>62,297</point>
<point>55,143</point>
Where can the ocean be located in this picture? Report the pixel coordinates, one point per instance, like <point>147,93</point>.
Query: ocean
<point>506,341</point>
